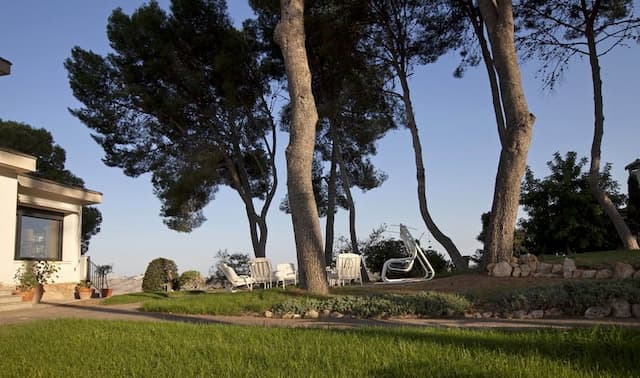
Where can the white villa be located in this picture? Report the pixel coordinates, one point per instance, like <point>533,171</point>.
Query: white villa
<point>40,220</point>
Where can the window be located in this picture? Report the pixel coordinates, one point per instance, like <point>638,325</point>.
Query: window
<point>39,235</point>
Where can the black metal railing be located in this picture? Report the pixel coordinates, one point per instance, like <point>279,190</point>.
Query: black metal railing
<point>98,279</point>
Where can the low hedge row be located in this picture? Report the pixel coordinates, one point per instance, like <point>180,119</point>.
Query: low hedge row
<point>572,297</point>
<point>431,304</point>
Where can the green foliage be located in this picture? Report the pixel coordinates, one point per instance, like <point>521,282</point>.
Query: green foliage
<point>633,206</point>
<point>240,303</point>
<point>181,96</point>
<point>562,214</point>
<point>33,273</point>
<point>199,349</point>
<point>191,279</point>
<point>598,260</point>
<point>160,272</point>
<point>50,165</point>
<point>433,304</point>
<point>556,31</point>
<point>572,297</point>
<point>238,261</point>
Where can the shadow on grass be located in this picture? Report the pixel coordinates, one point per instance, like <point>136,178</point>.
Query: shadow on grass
<point>611,350</point>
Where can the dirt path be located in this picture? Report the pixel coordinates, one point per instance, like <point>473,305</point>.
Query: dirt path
<point>94,310</point>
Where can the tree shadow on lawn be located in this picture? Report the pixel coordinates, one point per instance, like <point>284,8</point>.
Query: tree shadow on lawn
<point>608,349</point>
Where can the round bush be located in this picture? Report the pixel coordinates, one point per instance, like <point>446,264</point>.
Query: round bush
<point>159,272</point>
<point>191,279</point>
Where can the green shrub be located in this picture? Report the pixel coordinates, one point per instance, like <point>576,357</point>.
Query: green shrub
<point>160,272</point>
<point>572,297</point>
<point>425,304</point>
<point>191,279</point>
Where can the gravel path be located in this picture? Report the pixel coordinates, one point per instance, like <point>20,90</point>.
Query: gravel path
<point>92,309</point>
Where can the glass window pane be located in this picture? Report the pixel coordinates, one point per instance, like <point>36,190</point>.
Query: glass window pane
<point>39,237</point>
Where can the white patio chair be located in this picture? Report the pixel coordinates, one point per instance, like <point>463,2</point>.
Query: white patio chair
<point>234,279</point>
<point>405,264</point>
<point>261,271</point>
<point>348,268</point>
<point>285,272</point>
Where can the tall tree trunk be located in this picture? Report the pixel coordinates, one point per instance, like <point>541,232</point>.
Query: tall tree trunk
<point>289,35</point>
<point>331,208</point>
<point>498,17</point>
<point>628,240</point>
<point>443,239</point>
<point>346,185</point>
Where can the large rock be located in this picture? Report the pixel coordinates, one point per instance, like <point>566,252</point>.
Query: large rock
<point>553,313</point>
<point>604,274</point>
<point>620,308</point>
<point>542,267</point>
<point>311,314</point>
<point>589,273</point>
<point>536,314</point>
<point>525,270</point>
<point>516,271</point>
<point>622,270</point>
<point>597,312</point>
<point>502,269</point>
<point>635,310</point>
<point>530,260</point>
<point>556,268</point>
<point>636,274</point>
<point>568,265</point>
<point>490,268</point>
<point>577,273</point>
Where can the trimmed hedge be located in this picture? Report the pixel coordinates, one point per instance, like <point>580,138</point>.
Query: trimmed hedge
<point>159,272</point>
<point>572,297</point>
<point>427,303</point>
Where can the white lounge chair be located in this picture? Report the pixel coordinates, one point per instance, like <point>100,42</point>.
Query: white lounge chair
<point>261,271</point>
<point>285,272</point>
<point>405,264</point>
<point>348,268</point>
<point>234,279</point>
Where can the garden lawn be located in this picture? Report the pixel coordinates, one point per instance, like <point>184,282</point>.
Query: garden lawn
<point>240,303</point>
<point>83,348</point>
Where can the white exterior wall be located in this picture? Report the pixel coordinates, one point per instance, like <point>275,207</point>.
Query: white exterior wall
<point>8,199</point>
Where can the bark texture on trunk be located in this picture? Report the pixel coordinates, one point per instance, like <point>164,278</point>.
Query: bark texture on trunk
<point>627,238</point>
<point>443,239</point>
<point>498,18</point>
<point>289,35</point>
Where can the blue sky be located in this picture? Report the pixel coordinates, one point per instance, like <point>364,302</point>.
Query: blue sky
<point>454,115</point>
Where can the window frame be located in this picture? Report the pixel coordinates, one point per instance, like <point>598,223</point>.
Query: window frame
<point>41,214</point>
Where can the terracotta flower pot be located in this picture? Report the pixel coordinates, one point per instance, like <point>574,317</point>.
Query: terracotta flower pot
<point>84,292</point>
<point>38,292</point>
<point>27,296</point>
<point>106,293</point>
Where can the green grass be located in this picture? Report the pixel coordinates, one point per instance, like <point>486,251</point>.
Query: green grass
<point>239,303</point>
<point>597,260</point>
<point>83,348</point>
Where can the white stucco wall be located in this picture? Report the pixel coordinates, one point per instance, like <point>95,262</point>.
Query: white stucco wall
<point>8,197</point>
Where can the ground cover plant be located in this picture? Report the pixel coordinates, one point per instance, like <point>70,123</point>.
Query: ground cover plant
<point>573,298</point>
<point>595,260</point>
<point>240,303</point>
<point>154,349</point>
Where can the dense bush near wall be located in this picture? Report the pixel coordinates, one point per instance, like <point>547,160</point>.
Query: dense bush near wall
<point>159,272</point>
<point>572,297</point>
<point>426,304</point>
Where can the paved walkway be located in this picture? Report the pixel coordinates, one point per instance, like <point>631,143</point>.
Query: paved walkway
<point>92,309</point>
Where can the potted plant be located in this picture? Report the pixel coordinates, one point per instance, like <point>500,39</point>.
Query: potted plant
<point>103,271</point>
<point>84,289</point>
<point>25,281</point>
<point>31,278</point>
